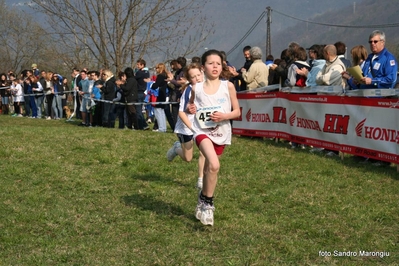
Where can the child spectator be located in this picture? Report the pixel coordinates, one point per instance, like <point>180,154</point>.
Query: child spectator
<point>18,96</point>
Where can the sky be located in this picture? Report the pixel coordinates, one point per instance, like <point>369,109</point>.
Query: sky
<point>233,19</point>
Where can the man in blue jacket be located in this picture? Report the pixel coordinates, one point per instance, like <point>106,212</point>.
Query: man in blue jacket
<point>142,77</point>
<point>380,68</point>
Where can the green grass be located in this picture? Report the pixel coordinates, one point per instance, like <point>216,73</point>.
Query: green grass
<point>94,196</point>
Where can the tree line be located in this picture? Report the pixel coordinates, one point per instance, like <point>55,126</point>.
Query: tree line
<point>60,35</point>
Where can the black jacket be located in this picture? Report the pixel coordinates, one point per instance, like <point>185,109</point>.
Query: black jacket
<point>130,90</point>
<point>140,76</point>
<point>109,89</point>
<point>161,84</point>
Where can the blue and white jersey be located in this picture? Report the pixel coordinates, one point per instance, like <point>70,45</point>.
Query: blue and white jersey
<point>180,127</point>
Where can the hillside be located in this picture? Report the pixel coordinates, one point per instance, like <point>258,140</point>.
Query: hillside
<point>233,19</point>
<point>367,12</point>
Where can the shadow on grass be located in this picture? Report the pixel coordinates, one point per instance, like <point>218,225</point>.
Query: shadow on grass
<point>349,161</point>
<point>154,177</point>
<point>149,203</point>
<point>388,170</point>
<point>161,208</point>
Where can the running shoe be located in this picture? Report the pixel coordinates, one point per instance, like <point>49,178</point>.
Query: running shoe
<point>171,154</point>
<point>207,214</point>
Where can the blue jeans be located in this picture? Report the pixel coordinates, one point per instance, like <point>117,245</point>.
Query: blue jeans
<point>161,119</point>
<point>139,114</point>
<point>32,105</point>
<point>57,106</point>
<point>119,111</point>
<point>27,105</point>
<point>169,117</point>
<point>39,103</point>
<point>108,115</point>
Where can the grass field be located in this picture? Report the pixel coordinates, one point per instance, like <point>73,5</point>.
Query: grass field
<point>94,196</point>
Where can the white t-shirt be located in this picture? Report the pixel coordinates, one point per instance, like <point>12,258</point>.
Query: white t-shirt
<point>18,94</point>
<point>219,133</point>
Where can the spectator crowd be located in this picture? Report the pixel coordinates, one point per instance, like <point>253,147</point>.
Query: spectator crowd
<point>101,97</point>
<point>97,97</point>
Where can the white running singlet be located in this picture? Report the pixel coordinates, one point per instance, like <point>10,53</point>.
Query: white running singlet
<point>219,133</point>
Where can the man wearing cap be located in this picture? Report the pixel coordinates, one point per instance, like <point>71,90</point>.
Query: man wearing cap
<point>35,70</point>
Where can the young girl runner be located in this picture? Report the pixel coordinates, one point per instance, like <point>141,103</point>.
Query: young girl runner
<point>184,146</point>
<point>214,103</point>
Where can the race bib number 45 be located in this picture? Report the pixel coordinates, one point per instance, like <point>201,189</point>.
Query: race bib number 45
<point>203,116</point>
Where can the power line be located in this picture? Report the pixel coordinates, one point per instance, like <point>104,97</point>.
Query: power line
<point>389,25</point>
<point>248,32</point>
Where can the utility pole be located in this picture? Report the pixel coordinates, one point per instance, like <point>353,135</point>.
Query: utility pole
<point>268,36</point>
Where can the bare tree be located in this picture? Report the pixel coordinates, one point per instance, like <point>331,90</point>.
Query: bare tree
<point>115,33</point>
<point>20,39</point>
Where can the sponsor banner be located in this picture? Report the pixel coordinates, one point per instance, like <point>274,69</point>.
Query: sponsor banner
<point>306,98</point>
<point>376,102</point>
<point>356,125</point>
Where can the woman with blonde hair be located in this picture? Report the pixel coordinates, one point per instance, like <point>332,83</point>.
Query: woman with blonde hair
<point>359,56</point>
<point>108,90</point>
<point>160,84</point>
<point>48,92</point>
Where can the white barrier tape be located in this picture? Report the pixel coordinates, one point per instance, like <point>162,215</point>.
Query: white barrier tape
<point>119,103</point>
<point>40,94</point>
<point>99,100</point>
<point>116,103</point>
